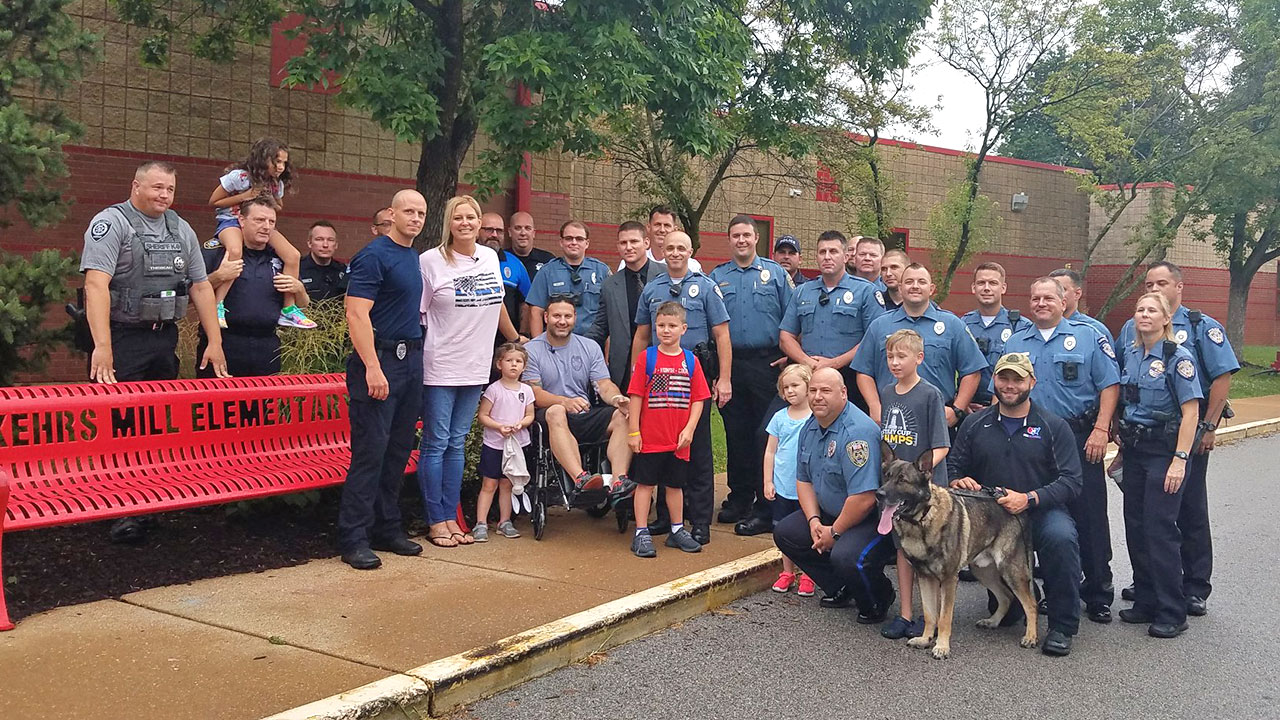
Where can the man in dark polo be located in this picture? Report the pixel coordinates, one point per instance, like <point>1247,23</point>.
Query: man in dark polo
<point>250,341</point>
<point>321,273</point>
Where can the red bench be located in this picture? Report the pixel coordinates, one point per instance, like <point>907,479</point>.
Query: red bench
<point>79,453</point>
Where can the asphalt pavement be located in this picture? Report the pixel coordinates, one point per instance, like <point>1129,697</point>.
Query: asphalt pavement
<point>782,656</point>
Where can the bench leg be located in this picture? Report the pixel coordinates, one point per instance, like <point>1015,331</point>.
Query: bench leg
<point>5,624</point>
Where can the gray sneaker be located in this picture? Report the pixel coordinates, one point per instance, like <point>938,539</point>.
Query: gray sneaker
<point>683,540</point>
<point>508,529</point>
<point>481,532</point>
<point>642,546</point>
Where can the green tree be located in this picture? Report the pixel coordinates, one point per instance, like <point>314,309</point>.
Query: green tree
<point>42,51</point>
<point>435,72</point>
<point>28,286</point>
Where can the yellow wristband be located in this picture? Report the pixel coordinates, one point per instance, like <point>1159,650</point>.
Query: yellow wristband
<point>634,434</point>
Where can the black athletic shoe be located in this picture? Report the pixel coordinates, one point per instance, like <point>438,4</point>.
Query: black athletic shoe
<point>842,598</point>
<point>399,546</point>
<point>873,616</point>
<point>753,526</point>
<point>1128,594</point>
<point>1056,644</point>
<point>731,514</point>
<point>1197,606</point>
<point>1098,613</point>
<point>1135,616</point>
<point>702,534</point>
<point>362,559</point>
<point>1166,631</point>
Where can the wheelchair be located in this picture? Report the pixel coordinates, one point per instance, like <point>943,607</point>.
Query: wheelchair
<point>550,485</point>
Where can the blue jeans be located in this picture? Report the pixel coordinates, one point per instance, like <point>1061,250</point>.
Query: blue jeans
<point>447,412</point>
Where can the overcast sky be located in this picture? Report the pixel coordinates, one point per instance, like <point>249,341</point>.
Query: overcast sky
<point>959,122</point>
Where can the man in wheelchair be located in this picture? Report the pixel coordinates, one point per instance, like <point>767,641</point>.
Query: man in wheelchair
<point>566,371</point>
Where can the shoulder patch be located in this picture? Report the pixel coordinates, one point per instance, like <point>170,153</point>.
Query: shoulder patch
<point>99,230</point>
<point>858,451</point>
<point>1186,369</point>
<point>1215,334</point>
<point>1106,348</point>
<point>212,244</point>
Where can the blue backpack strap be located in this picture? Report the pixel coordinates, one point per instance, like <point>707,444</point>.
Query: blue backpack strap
<point>650,360</point>
<point>688,362</point>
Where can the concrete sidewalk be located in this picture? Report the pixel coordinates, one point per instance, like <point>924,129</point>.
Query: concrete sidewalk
<point>1254,409</point>
<point>246,646</point>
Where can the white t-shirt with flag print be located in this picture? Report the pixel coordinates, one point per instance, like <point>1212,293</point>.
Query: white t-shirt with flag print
<point>461,304</point>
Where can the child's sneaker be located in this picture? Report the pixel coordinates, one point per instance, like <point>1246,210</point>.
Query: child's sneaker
<point>481,532</point>
<point>588,481</point>
<point>784,582</point>
<point>805,588</point>
<point>683,540</point>
<point>508,530</point>
<point>222,316</point>
<point>293,317</point>
<point>642,546</point>
<point>621,490</point>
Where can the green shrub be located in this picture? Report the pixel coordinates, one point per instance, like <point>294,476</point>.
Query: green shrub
<point>28,286</point>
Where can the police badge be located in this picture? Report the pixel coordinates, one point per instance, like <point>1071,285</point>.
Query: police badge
<point>1157,367</point>
<point>764,275</point>
<point>880,297</point>
<point>1004,335</point>
<point>848,297</point>
<point>693,291</point>
<point>1180,336</point>
<point>831,448</point>
<point>939,328</point>
<point>1069,342</point>
<point>858,451</point>
<point>1186,369</point>
<point>402,349</point>
<point>179,264</point>
<point>1215,334</point>
<point>99,230</point>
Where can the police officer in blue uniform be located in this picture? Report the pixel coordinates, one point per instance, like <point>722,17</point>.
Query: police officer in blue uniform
<point>575,275</point>
<point>949,349</point>
<point>1073,285</point>
<point>756,293</point>
<point>1077,381</point>
<point>833,537</point>
<point>1028,451</point>
<point>829,316</point>
<point>1215,360</point>
<point>1157,434</point>
<point>384,381</point>
<point>991,325</point>
<point>708,338</point>
<point>515,277</point>
<point>250,341</point>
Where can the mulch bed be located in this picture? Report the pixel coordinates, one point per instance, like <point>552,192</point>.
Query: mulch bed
<point>73,564</point>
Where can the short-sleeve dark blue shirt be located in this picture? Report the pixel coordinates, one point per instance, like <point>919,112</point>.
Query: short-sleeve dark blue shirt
<point>387,273</point>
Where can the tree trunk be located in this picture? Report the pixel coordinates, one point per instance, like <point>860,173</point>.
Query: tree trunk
<point>439,164</point>
<point>1237,306</point>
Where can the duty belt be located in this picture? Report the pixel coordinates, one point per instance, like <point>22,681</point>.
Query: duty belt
<point>1133,433</point>
<point>400,347</point>
<point>154,327</point>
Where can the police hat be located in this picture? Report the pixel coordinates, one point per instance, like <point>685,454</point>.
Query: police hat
<point>787,241</point>
<point>1020,363</point>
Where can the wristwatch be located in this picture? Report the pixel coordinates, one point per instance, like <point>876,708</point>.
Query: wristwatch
<point>834,535</point>
<point>1181,455</point>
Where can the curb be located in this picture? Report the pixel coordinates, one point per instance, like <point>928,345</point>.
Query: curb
<point>440,687</point>
<point>1248,430</point>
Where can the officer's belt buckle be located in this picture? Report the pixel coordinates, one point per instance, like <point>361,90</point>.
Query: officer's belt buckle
<point>402,349</point>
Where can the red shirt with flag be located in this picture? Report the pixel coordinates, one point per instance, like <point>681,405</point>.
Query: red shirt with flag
<point>666,399</point>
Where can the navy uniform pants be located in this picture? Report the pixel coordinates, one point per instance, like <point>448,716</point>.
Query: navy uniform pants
<point>1193,523</point>
<point>1057,545</point>
<point>247,355</point>
<point>856,561</point>
<point>1152,534</point>
<point>145,353</point>
<point>382,436</point>
<point>754,390</point>
<point>1089,510</point>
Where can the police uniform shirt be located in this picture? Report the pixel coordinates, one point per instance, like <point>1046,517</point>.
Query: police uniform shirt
<point>583,283</point>
<point>534,261</point>
<point>322,281</point>
<point>106,248</point>
<point>756,297</point>
<point>949,349</point>
<point>1205,340</point>
<point>1161,387</point>
<point>703,307</point>
<point>388,274</point>
<point>991,339</point>
<point>1072,366</point>
<point>832,328</point>
<point>516,280</point>
<point>1095,323</point>
<point>253,304</point>
<point>841,460</point>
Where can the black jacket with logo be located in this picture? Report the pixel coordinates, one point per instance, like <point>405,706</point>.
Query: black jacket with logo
<point>1040,455</point>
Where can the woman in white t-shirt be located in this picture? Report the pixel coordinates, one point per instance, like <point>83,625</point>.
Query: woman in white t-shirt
<point>461,309</point>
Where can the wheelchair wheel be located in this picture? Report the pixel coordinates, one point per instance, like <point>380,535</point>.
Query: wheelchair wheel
<point>623,514</point>
<point>599,511</point>
<point>539,515</point>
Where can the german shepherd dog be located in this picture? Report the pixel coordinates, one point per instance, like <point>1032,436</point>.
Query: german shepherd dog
<point>940,530</point>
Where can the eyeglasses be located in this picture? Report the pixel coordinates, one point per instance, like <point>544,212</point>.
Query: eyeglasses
<point>574,238</point>
<point>491,230</point>
<point>824,299</point>
<point>384,223</point>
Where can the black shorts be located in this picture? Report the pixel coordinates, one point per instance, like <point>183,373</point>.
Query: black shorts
<point>783,507</point>
<point>490,465</point>
<point>588,427</point>
<point>659,468</point>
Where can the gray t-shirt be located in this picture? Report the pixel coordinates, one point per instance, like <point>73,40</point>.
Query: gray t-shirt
<point>105,248</point>
<point>915,423</point>
<point>570,371</point>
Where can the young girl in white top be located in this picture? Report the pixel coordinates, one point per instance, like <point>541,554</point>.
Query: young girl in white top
<point>265,172</point>
<point>506,409</point>
<point>780,463</point>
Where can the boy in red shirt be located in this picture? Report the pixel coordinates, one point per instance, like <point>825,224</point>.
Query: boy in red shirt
<point>667,392</point>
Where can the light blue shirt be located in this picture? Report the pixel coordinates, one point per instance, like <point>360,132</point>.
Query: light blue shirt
<point>703,307</point>
<point>1072,366</point>
<point>756,297</point>
<point>557,278</point>
<point>785,458</point>
<point>949,349</point>
<point>1161,387</point>
<point>991,340</point>
<point>1095,323</point>
<point>1205,340</point>
<point>569,371</point>
<point>841,460</point>
<point>832,329</point>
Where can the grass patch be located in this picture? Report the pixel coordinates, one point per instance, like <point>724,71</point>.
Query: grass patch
<point>718,451</point>
<point>1246,383</point>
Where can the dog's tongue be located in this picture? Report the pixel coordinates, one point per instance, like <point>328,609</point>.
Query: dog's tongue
<point>886,519</point>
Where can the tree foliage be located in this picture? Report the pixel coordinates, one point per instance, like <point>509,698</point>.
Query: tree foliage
<point>960,212</point>
<point>42,52</point>
<point>28,286</point>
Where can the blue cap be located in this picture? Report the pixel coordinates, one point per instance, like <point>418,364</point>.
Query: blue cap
<point>787,241</point>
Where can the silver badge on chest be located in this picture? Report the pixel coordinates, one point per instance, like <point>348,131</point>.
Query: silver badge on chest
<point>1004,335</point>
<point>693,291</point>
<point>939,328</point>
<point>1069,342</point>
<point>1180,336</point>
